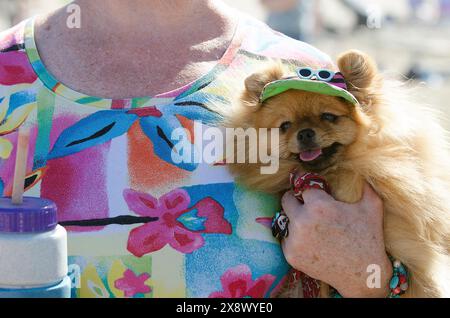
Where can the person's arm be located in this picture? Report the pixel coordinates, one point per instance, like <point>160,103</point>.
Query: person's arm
<point>335,242</point>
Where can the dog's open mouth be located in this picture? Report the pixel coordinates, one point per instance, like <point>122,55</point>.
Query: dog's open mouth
<point>312,156</point>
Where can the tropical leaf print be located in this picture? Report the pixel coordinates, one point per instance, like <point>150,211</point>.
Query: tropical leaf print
<point>92,285</point>
<point>157,123</point>
<point>91,131</point>
<point>19,99</point>
<point>160,133</point>
<point>195,110</point>
<point>33,178</point>
<point>12,115</point>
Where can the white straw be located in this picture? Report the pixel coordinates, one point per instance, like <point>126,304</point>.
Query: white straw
<point>23,140</point>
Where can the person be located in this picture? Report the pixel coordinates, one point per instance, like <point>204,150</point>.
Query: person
<point>102,102</point>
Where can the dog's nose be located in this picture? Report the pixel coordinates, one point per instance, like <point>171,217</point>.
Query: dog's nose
<point>306,135</point>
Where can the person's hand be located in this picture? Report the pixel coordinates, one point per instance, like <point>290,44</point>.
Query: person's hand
<point>335,242</point>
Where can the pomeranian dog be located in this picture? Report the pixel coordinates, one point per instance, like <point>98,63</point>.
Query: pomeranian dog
<point>384,138</point>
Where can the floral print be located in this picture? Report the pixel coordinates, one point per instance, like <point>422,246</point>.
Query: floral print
<point>177,224</point>
<point>120,280</point>
<point>237,282</point>
<point>133,284</point>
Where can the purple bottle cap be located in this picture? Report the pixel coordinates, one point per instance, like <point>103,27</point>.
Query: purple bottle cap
<point>33,216</point>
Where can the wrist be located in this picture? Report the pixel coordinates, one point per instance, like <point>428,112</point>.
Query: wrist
<point>363,289</point>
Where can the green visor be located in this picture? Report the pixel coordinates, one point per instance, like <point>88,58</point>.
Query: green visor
<point>277,87</point>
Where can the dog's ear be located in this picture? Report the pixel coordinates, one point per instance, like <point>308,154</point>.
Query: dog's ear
<point>255,83</point>
<point>361,75</point>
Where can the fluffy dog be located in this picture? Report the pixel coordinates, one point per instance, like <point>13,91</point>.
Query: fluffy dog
<point>394,144</point>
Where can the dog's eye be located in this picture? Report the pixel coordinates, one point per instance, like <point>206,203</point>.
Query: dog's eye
<point>285,126</point>
<point>329,117</point>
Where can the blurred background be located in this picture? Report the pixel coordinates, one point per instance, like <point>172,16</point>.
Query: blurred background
<point>409,38</point>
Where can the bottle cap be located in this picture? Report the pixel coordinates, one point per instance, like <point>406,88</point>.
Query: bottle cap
<point>33,216</point>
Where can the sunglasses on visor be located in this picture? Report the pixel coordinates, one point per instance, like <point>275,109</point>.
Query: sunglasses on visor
<point>309,73</point>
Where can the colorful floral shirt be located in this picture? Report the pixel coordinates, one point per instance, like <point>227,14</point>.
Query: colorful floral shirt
<point>139,223</point>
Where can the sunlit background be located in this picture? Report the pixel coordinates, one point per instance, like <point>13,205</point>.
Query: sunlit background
<point>409,38</point>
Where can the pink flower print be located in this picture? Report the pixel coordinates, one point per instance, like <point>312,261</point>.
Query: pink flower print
<point>178,224</point>
<point>15,69</point>
<point>131,284</point>
<point>237,282</point>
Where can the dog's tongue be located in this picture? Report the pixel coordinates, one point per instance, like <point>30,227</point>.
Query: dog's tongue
<point>310,155</point>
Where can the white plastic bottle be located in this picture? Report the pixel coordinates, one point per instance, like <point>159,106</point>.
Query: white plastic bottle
<point>33,251</point>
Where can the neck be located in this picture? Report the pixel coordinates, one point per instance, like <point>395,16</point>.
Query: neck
<point>180,40</point>
<point>149,16</point>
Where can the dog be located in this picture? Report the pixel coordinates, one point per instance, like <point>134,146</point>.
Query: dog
<point>382,137</point>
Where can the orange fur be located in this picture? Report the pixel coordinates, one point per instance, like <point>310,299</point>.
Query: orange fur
<point>389,141</point>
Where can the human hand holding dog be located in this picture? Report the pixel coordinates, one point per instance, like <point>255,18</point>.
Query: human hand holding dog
<point>335,242</point>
